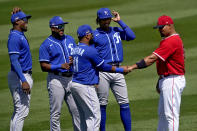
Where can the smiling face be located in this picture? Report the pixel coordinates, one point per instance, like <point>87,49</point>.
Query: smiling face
<point>104,23</point>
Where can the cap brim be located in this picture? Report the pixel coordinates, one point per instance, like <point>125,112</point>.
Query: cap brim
<point>66,22</point>
<point>28,16</point>
<point>158,26</point>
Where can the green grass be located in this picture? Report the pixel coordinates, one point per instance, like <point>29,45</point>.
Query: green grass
<point>141,16</point>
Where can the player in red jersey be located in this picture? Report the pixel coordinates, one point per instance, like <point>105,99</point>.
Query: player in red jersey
<point>169,58</point>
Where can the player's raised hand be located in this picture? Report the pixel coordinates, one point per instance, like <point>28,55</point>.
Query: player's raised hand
<point>116,16</point>
<point>26,87</point>
<point>66,66</point>
<point>15,10</point>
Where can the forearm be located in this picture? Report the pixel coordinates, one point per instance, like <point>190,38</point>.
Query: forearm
<point>49,67</point>
<point>130,35</point>
<point>109,68</point>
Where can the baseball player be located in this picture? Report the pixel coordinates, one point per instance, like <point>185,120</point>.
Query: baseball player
<point>169,58</point>
<point>86,64</point>
<point>20,79</point>
<point>54,58</point>
<point>108,42</point>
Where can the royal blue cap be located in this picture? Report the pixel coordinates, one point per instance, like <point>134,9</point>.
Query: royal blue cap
<point>84,30</point>
<point>56,20</point>
<point>104,13</point>
<point>18,16</point>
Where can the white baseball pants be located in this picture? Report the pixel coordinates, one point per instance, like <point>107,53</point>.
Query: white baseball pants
<point>171,88</point>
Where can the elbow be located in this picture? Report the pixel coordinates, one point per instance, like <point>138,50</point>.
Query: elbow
<point>131,37</point>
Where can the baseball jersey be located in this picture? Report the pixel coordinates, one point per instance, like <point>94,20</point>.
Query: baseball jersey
<point>109,44</point>
<point>171,56</point>
<point>18,44</point>
<point>56,51</point>
<point>86,60</point>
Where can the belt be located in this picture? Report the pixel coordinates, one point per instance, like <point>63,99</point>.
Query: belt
<point>114,64</point>
<point>64,74</point>
<point>28,72</point>
<point>163,76</point>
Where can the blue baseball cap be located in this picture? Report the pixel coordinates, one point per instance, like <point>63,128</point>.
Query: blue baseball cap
<point>18,16</point>
<point>84,30</point>
<point>104,13</point>
<point>56,20</point>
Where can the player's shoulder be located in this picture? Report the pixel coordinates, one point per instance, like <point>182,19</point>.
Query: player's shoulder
<point>69,37</point>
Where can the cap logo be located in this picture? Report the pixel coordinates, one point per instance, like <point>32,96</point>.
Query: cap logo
<point>106,13</point>
<point>87,32</point>
<point>16,18</point>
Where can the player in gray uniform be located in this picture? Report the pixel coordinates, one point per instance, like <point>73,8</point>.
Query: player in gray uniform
<point>87,64</point>
<point>54,58</point>
<point>108,42</point>
<point>20,77</point>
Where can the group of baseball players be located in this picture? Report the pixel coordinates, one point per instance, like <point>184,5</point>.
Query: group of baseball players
<point>82,74</point>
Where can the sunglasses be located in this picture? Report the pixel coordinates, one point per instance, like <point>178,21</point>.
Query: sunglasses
<point>24,19</point>
<point>59,26</point>
<point>161,27</point>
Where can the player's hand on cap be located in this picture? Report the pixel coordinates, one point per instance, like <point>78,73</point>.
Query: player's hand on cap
<point>66,66</point>
<point>15,10</point>
<point>26,87</point>
<point>116,16</point>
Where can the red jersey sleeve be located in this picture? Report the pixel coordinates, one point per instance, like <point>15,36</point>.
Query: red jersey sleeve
<point>164,50</point>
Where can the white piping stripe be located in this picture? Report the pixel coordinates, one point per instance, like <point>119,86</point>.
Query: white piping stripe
<point>66,48</point>
<point>60,47</point>
<point>14,52</point>
<point>159,56</point>
<point>100,63</point>
<point>116,49</point>
<point>110,47</point>
<point>44,60</point>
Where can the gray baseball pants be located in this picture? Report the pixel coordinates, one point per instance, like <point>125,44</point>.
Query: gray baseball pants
<point>88,105</point>
<point>21,100</point>
<point>117,83</point>
<point>59,91</point>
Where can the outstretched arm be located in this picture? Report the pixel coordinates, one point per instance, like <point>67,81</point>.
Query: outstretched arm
<point>147,61</point>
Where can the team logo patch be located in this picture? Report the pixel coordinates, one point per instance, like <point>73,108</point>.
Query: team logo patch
<point>106,13</point>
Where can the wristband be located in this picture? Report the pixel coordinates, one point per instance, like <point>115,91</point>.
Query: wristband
<point>141,64</point>
<point>119,70</point>
<point>54,67</point>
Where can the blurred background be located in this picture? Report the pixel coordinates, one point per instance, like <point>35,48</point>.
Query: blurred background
<point>140,16</point>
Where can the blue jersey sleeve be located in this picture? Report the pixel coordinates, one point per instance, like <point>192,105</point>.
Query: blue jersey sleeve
<point>43,54</point>
<point>125,32</point>
<point>94,57</point>
<point>14,45</point>
<point>17,67</point>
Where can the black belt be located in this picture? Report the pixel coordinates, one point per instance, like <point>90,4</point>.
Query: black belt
<point>65,74</point>
<point>28,72</point>
<point>114,64</point>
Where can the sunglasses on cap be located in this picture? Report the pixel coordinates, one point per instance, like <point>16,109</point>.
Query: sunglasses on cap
<point>59,26</point>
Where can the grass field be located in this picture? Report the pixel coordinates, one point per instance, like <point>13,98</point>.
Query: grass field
<point>141,16</point>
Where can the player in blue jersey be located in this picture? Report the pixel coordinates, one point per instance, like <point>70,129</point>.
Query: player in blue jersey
<point>20,77</point>
<point>108,42</point>
<point>54,58</point>
<point>87,64</point>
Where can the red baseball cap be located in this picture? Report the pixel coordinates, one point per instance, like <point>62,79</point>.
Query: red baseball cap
<point>163,20</point>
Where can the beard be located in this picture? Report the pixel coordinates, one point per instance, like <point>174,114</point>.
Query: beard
<point>91,42</point>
